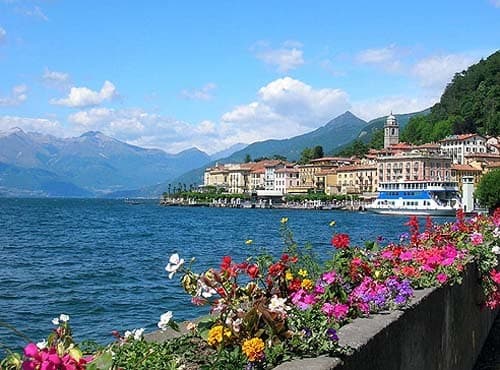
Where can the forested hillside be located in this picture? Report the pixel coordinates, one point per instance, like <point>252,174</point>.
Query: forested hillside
<point>469,104</point>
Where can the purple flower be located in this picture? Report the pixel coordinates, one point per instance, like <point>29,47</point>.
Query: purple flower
<point>332,334</point>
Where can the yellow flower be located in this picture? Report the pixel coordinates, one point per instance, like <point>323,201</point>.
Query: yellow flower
<point>288,275</point>
<point>332,223</point>
<point>302,272</point>
<point>215,335</point>
<point>377,274</point>
<point>307,284</point>
<point>284,220</point>
<point>249,241</point>
<point>253,349</point>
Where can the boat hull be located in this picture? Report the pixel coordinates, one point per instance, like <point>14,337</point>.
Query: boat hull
<point>413,212</point>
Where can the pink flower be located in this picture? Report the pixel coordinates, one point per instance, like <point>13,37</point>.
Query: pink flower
<point>476,238</point>
<point>327,309</point>
<point>442,278</point>
<point>495,276</point>
<point>406,256</point>
<point>449,254</point>
<point>329,277</point>
<point>340,311</point>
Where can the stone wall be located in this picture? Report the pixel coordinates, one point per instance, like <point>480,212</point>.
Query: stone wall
<point>444,329</point>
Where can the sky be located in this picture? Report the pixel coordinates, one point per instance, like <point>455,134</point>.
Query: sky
<point>209,74</point>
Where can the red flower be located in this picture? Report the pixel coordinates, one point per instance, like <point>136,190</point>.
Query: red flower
<point>294,285</point>
<point>341,241</point>
<point>253,271</point>
<point>226,263</point>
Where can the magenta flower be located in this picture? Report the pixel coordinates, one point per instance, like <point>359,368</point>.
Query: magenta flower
<point>329,277</point>
<point>442,278</point>
<point>476,238</point>
<point>406,256</point>
<point>340,311</point>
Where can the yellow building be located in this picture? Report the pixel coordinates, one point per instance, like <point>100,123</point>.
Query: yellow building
<point>357,179</point>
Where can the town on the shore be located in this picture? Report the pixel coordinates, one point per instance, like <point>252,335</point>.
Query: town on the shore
<point>338,182</point>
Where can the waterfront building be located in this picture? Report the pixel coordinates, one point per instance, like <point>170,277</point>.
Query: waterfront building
<point>216,176</point>
<point>287,178</point>
<point>357,179</point>
<point>307,172</point>
<point>458,146</point>
<point>458,171</point>
<point>326,181</point>
<point>239,178</point>
<point>417,165</point>
<point>391,131</point>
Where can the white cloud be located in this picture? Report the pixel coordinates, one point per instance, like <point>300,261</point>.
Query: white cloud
<point>81,97</point>
<point>287,99</point>
<point>43,125</point>
<point>387,57</point>
<point>370,109</point>
<point>3,35</point>
<point>287,57</point>
<point>204,93</point>
<point>436,71</point>
<point>284,108</point>
<point>56,79</point>
<point>17,96</point>
<point>34,12</point>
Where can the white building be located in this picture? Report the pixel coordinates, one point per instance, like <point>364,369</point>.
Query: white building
<point>458,146</point>
<point>286,178</point>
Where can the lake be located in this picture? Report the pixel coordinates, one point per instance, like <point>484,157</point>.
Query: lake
<point>102,261</point>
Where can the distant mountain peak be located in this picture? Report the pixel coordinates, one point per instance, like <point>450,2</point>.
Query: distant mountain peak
<point>12,131</point>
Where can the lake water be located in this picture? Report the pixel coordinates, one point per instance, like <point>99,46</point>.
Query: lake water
<point>102,261</point>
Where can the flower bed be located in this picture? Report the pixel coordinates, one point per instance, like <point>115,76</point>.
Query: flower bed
<point>265,311</point>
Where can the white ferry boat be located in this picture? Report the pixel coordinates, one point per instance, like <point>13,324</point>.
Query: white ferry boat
<point>436,198</point>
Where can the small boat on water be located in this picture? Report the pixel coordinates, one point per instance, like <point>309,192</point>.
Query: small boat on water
<point>434,198</point>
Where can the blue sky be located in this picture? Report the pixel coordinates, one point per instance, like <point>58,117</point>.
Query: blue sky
<point>177,74</point>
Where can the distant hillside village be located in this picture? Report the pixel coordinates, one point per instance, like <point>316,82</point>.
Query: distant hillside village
<point>449,159</point>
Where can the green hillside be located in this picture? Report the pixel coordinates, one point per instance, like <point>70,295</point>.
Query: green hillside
<point>469,104</point>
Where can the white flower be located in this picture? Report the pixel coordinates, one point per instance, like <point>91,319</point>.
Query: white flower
<point>174,264</point>
<point>203,290</point>
<point>496,232</point>
<point>42,344</point>
<point>127,334</point>
<point>164,320</point>
<point>278,305</point>
<point>55,321</point>
<point>63,318</point>
<point>138,333</point>
<point>496,249</point>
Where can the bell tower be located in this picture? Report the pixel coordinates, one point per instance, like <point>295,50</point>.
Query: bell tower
<point>391,131</point>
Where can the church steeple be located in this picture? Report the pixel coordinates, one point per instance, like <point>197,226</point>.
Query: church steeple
<point>391,131</point>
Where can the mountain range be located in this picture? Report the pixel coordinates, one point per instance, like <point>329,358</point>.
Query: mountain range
<point>89,165</point>
<point>332,136</point>
<point>93,164</point>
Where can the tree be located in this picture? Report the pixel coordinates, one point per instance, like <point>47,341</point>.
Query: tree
<point>317,152</point>
<point>488,190</point>
<point>248,159</point>
<point>306,156</point>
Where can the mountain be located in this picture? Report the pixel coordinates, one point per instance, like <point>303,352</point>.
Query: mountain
<point>20,182</point>
<point>337,132</point>
<point>366,133</point>
<point>333,134</point>
<point>227,152</point>
<point>92,162</point>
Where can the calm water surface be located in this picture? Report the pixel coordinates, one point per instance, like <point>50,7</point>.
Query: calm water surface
<point>102,261</point>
